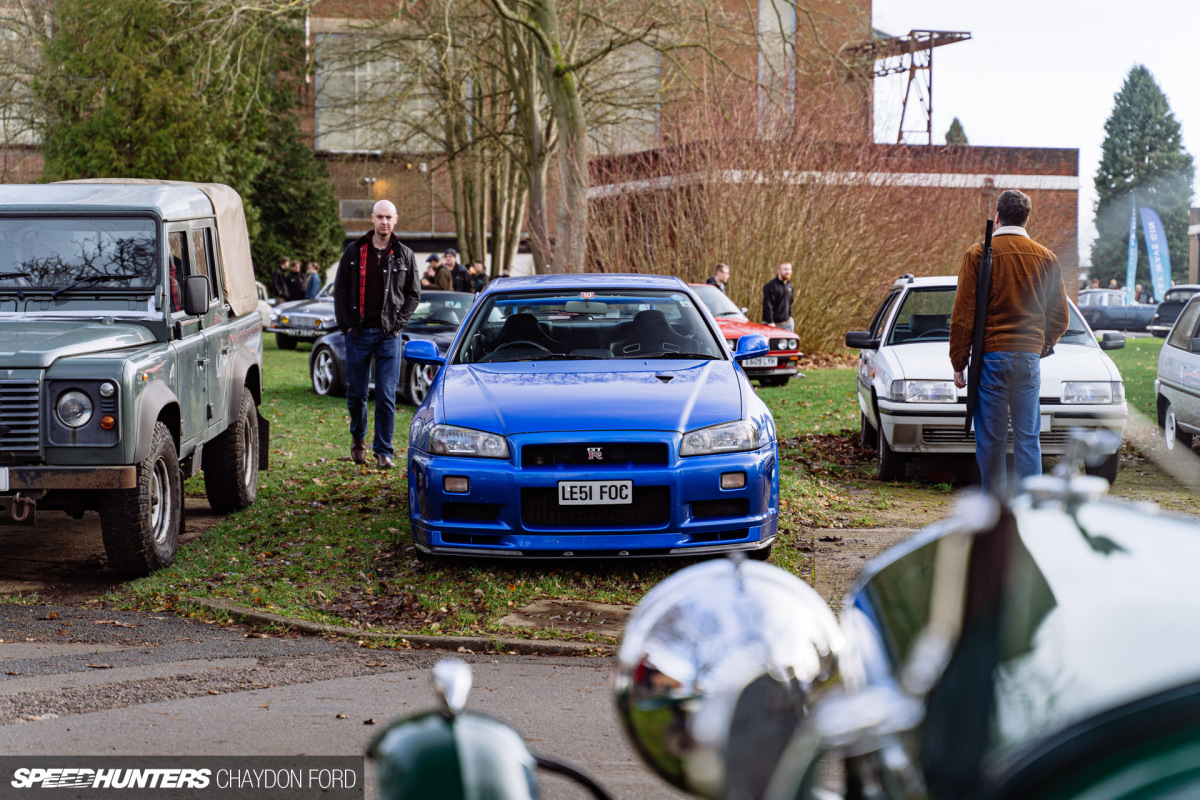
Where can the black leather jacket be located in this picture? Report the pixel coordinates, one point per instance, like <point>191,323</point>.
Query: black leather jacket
<point>399,276</point>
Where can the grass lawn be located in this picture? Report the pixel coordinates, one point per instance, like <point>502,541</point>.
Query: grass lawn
<point>328,540</point>
<point>1138,363</point>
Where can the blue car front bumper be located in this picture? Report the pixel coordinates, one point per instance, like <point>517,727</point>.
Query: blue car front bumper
<point>511,508</point>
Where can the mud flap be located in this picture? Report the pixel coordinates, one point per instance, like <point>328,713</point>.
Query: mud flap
<point>264,440</point>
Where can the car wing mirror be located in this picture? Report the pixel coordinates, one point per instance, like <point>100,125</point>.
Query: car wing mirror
<point>195,295</point>
<point>422,351</point>
<point>861,340</point>
<point>1112,341</point>
<point>751,345</point>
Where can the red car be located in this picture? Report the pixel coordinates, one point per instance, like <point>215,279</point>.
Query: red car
<point>774,369</point>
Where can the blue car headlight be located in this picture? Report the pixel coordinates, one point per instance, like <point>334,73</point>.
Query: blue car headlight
<point>730,437</point>
<point>451,440</point>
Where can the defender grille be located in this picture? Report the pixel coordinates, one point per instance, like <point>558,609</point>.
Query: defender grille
<point>19,426</point>
<point>549,455</point>
<point>1056,438</point>
<point>540,509</point>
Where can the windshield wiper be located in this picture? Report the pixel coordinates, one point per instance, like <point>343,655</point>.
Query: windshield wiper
<point>669,354</point>
<point>14,274</point>
<point>1074,332</point>
<point>91,278</point>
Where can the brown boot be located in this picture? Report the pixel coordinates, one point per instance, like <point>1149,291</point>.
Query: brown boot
<point>358,451</point>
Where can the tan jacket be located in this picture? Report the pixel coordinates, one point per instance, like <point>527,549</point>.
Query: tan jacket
<point>1027,306</point>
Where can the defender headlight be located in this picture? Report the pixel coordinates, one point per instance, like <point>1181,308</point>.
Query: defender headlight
<point>731,437</point>
<point>74,408</point>
<point>1093,392</point>
<point>923,392</point>
<point>450,440</point>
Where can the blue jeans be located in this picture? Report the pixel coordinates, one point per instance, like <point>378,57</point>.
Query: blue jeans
<point>1009,382</point>
<point>363,345</point>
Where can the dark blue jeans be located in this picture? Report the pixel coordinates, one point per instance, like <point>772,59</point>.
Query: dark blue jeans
<point>1009,384</point>
<point>362,347</point>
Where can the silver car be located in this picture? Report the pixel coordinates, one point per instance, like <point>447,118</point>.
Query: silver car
<point>1177,385</point>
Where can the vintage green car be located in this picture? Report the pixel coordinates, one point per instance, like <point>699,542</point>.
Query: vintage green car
<point>130,357</point>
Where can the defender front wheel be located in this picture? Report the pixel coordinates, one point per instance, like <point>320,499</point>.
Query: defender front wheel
<point>141,526</point>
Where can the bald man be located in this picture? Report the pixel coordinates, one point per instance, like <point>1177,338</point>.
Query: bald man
<point>375,291</point>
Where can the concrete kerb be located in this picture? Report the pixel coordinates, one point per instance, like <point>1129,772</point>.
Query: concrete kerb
<point>474,644</point>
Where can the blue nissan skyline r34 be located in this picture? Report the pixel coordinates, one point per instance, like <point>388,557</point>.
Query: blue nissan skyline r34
<point>594,415</point>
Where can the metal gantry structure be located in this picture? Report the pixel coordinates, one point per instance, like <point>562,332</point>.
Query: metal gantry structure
<point>911,53</point>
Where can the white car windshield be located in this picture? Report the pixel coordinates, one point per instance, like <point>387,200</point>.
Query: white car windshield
<point>924,316</point>
<point>600,324</point>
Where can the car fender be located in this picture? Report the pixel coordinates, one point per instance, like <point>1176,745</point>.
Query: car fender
<point>150,406</point>
<point>244,373</point>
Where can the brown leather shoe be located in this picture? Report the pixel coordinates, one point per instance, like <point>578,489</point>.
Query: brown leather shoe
<point>384,461</point>
<point>358,451</point>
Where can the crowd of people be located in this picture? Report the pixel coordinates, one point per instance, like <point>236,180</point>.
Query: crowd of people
<point>293,280</point>
<point>447,273</point>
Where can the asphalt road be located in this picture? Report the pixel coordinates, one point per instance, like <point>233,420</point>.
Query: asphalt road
<point>94,682</point>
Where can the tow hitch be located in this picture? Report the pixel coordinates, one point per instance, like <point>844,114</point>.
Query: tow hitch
<point>18,509</point>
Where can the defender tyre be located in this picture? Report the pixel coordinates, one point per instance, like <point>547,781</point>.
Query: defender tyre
<point>231,461</point>
<point>141,526</point>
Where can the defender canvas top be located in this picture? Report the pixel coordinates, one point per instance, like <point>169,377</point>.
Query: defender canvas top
<point>171,201</point>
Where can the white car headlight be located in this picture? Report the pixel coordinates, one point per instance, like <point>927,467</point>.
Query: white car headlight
<point>731,437</point>
<point>1093,392</point>
<point>923,392</point>
<point>450,440</point>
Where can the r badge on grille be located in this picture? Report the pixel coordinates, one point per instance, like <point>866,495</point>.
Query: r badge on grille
<point>595,454</point>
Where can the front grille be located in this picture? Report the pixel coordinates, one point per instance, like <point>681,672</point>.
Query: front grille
<point>456,511</point>
<point>548,455</point>
<point>19,416</point>
<point>725,507</point>
<point>540,509</point>
<point>1054,438</point>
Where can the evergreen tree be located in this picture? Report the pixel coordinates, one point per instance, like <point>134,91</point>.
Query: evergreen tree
<point>955,134</point>
<point>144,89</point>
<point>1142,152</point>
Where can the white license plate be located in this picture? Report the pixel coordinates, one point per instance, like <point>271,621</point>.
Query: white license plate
<point>765,361</point>
<point>595,493</point>
<point>3,479</point>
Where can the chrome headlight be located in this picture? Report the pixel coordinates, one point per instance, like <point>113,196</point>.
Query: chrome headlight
<point>450,440</point>
<point>74,408</point>
<point>731,437</point>
<point>923,392</point>
<point>1093,392</point>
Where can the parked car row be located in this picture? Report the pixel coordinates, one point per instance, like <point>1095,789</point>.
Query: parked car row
<point>1109,309</point>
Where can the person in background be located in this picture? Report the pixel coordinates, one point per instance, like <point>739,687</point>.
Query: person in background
<point>375,292</point>
<point>1140,295</point>
<point>431,267</point>
<point>1112,283</point>
<point>1026,315</point>
<point>478,276</point>
<point>459,277</point>
<point>312,282</point>
<point>1095,283</point>
<point>442,279</point>
<point>777,299</point>
<point>720,277</point>
<point>295,280</point>
<point>279,279</point>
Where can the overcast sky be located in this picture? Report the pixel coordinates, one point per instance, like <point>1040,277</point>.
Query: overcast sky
<point>1043,74</point>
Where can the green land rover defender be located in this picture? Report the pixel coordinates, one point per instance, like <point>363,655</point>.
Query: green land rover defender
<point>130,358</point>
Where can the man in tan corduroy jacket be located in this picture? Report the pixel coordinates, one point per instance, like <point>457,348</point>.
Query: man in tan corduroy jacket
<point>1026,315</point>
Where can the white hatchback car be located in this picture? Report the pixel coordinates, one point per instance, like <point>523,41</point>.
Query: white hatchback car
<point>906,391</point>
<point>1177,384</point>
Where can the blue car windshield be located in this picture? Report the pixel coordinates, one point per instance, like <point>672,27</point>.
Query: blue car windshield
<point>601,324</point>
<point>103,253</point>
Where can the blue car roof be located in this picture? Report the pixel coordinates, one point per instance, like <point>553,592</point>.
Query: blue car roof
<point>586,280</point>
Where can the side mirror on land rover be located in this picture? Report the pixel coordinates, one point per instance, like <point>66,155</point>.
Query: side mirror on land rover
<point>195,295</point>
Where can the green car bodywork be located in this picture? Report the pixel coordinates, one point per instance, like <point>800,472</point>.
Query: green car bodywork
<point>130,357</point>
